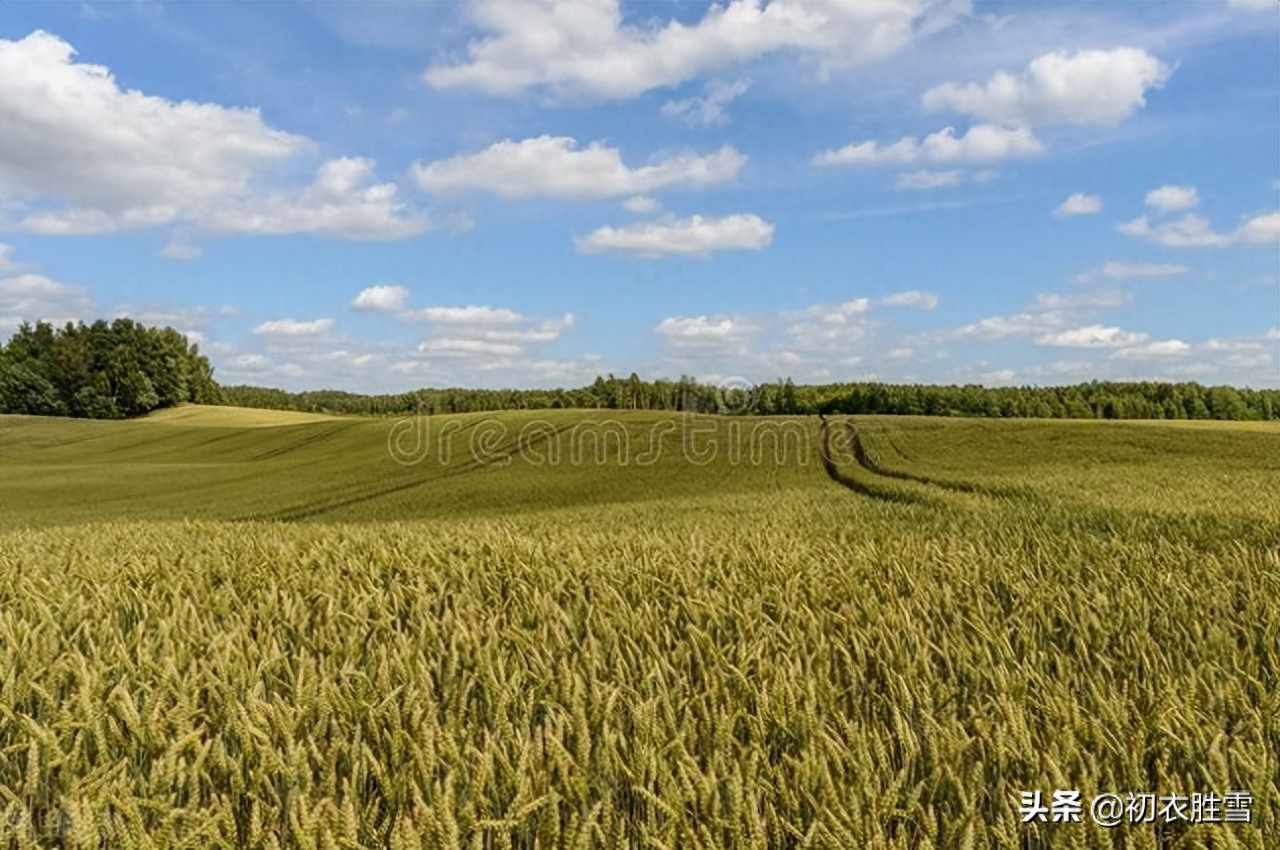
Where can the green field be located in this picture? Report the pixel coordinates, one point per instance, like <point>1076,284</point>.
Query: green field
<point>236,628</point>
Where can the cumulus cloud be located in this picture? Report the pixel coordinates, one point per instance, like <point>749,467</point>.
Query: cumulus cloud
<point>472,315</point>
<point>642,205</point>
<point>190,321</point>
<point>585,50</point>
<point>1124,270</point>
<point>7,263</point>
<point>982,143</point>
<point>293,328</point>
<point>694,236</point>
<point>708,110</point>
<point>1154,349</point>
<point>467,331</point>
<point>818,342</point>
<point>911,298</point>
<point>1049,314</point>
<point>925,179</point>
<point>1090,336</point>
<point>1053,302</point>
<point>342,202</point>
<point>34,297</point>
<point>1260,230</point>
<point>1079,204</point>
<point>381,299</point>
<point>467,347</point>
<point>1192,231</point>
<point>555,166</point>
<point>178,249</point>
<point>702,331</point>
<point>117,159</point>
<point>1086,87</point>
<point>1173,198</point>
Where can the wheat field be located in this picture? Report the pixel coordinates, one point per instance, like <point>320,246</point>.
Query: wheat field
<point>275,635</point>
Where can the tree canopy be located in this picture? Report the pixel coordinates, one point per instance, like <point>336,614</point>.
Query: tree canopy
<point>104,370</point>
<point>119,369</point>
<point>1095,400</point>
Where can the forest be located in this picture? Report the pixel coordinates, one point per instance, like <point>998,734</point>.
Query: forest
<point>1094,400</point>
<point>104,370</point>
<point>122,369</point>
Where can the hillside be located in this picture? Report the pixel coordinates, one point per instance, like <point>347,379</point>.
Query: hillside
<point>522,644</point>
<point>197,462</point>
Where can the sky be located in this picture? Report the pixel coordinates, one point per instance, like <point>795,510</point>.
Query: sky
<point>383,196</point>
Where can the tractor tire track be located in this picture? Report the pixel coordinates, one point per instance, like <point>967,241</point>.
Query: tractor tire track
<point>868,462</point>
<point>862,488</point>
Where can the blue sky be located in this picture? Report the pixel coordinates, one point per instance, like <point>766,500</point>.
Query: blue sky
<point>377,197</point>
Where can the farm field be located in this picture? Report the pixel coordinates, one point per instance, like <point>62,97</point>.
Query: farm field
<point>236,628</point>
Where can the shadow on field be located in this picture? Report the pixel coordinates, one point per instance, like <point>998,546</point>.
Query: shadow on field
<point>308,511</point>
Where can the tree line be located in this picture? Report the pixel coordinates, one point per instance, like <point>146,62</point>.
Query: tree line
<point>118,369</point>
<point>104,370</point>
<point>1094,400</point>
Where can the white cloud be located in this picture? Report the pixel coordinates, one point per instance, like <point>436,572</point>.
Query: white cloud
<point>585,50</point>
<point>982,143</point>
<point>447,345</point>
<point>693,236</point>
<point>642,205</point>
<point>1125,270</point>
<point>192,321</point>
<point>708,110</point>
<point>123,159</point>
<point>701,328</point>
<point>382,299</point>
<point>1047,316</point>
<point>1260,230</point>
<point>827,333</point>
<point>7,264</point>
<point>1190,230</point>
<point>911,298</point>
<point>1087,301</point>
<point>472,330</point>
<point>34,297</point>
<point>293,328</point>
<point>555,166</point>
<point>1154,349</point>
<point>1233,345</point>
<point>1193,231</point>
<point>467,315</point>
<point>1079,204</point>
<point>72,132</point>
<point>998,376</point>
<point>1002,327</point>
<point>247,362</point>
<point>1087,87</point>
<point>341,202</point>
<point>1091,336</point>
<point>181,250</point>
<point>548,330</point>
<point>925,179</point>
<point>1173,198</point>
<point>719,339</point>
